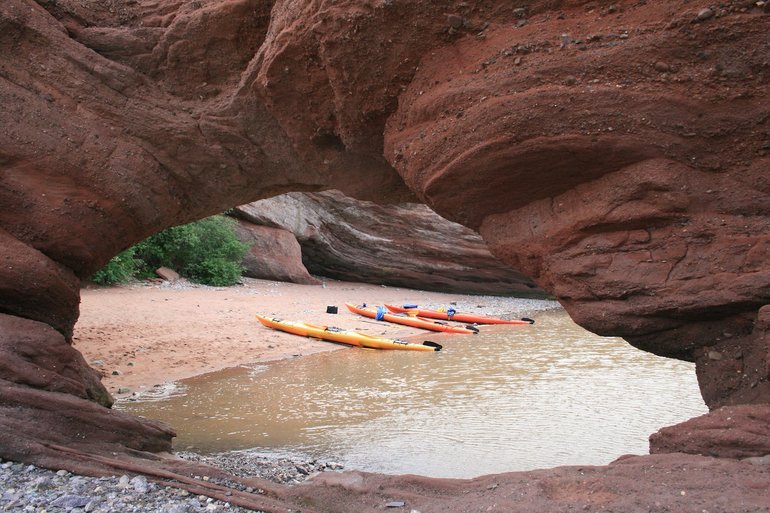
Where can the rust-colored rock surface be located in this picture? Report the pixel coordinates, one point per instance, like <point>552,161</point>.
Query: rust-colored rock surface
<point>113,130</point>
<point>274,254</point>
<point>617,157</point>
<point>49,396</point>
<point>728,432</point>
<point>405,245</point>
<point>33,354</point>
<point>617,154</point>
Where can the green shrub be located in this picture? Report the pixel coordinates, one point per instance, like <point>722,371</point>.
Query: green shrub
<point>215,271</point>
<point>119,269</point>
<point>206,251</point>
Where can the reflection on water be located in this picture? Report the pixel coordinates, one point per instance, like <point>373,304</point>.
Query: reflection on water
<point>511,398</point>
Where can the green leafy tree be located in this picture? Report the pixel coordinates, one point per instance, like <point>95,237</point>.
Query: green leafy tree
<point>119,269</point>
<point>206,251</point>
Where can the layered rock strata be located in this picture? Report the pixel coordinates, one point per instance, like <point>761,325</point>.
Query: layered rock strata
<point>405,245</point>
<point>623,166</point>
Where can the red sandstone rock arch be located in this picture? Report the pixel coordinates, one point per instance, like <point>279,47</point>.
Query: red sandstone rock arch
<point>617,155</point>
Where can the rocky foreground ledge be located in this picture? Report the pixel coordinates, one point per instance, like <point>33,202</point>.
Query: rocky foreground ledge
<point>734,477</point>
<point>660,483</point>
<point>30,488</point>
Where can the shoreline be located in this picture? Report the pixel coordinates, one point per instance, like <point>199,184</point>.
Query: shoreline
<point>633,483</point>
<point>143,335</point>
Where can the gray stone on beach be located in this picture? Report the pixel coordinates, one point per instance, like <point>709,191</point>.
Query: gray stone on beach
<point>140,484</point>
<point>29,488</point>
<point>71,501</point>
<point>42,482</point>
<point>124,481</point>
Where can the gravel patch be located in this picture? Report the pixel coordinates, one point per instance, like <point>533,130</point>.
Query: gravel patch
<point>271,468</point>
<point>30,489</point>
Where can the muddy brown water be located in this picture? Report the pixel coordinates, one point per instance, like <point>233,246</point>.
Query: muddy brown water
<point>510,398</point>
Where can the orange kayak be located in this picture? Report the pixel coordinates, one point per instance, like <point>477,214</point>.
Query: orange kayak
<point>456,316</point>
<point>349,337</point>
<point>408,320</point>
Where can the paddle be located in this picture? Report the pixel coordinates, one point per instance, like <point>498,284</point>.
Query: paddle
<point>434,345</point>
<point>527,319</point>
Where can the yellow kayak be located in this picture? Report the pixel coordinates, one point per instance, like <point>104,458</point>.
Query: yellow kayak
<point>353,338</point>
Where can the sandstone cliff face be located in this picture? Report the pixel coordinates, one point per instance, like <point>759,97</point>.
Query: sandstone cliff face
<point>622,165</point>
<point>118,124</point>
<point>274,254</point>
<point>616,154</point>
<point>404,245</point>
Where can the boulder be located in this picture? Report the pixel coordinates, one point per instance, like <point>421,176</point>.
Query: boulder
<point>274,254</point>
<point>167,274</point>
<point>35,355</point>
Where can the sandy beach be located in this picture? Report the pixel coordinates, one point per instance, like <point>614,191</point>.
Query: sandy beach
<point>145,334</point>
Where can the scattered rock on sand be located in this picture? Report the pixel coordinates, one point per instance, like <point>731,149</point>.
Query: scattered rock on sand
<point>167,274</point>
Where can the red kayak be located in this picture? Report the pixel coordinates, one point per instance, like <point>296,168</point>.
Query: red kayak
<point>408,320</point>
<point>456,316</point>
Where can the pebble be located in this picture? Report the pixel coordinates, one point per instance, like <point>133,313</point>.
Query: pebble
<point>140,484</point>
<point>714,355</point>
<point>26,488</point>
<point>455,21</point>
<point>704,14</point>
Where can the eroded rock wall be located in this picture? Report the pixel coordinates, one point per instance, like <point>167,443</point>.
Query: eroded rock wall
<point>404,245</point>
<point>620,158</point>
<point>122,119</point>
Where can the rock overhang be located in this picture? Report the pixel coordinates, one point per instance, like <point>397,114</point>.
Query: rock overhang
<point>619,157</point>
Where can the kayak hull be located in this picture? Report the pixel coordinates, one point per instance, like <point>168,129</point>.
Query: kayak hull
<point>459,317</point>
<point>414,322</point>
<point>341,336</point>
